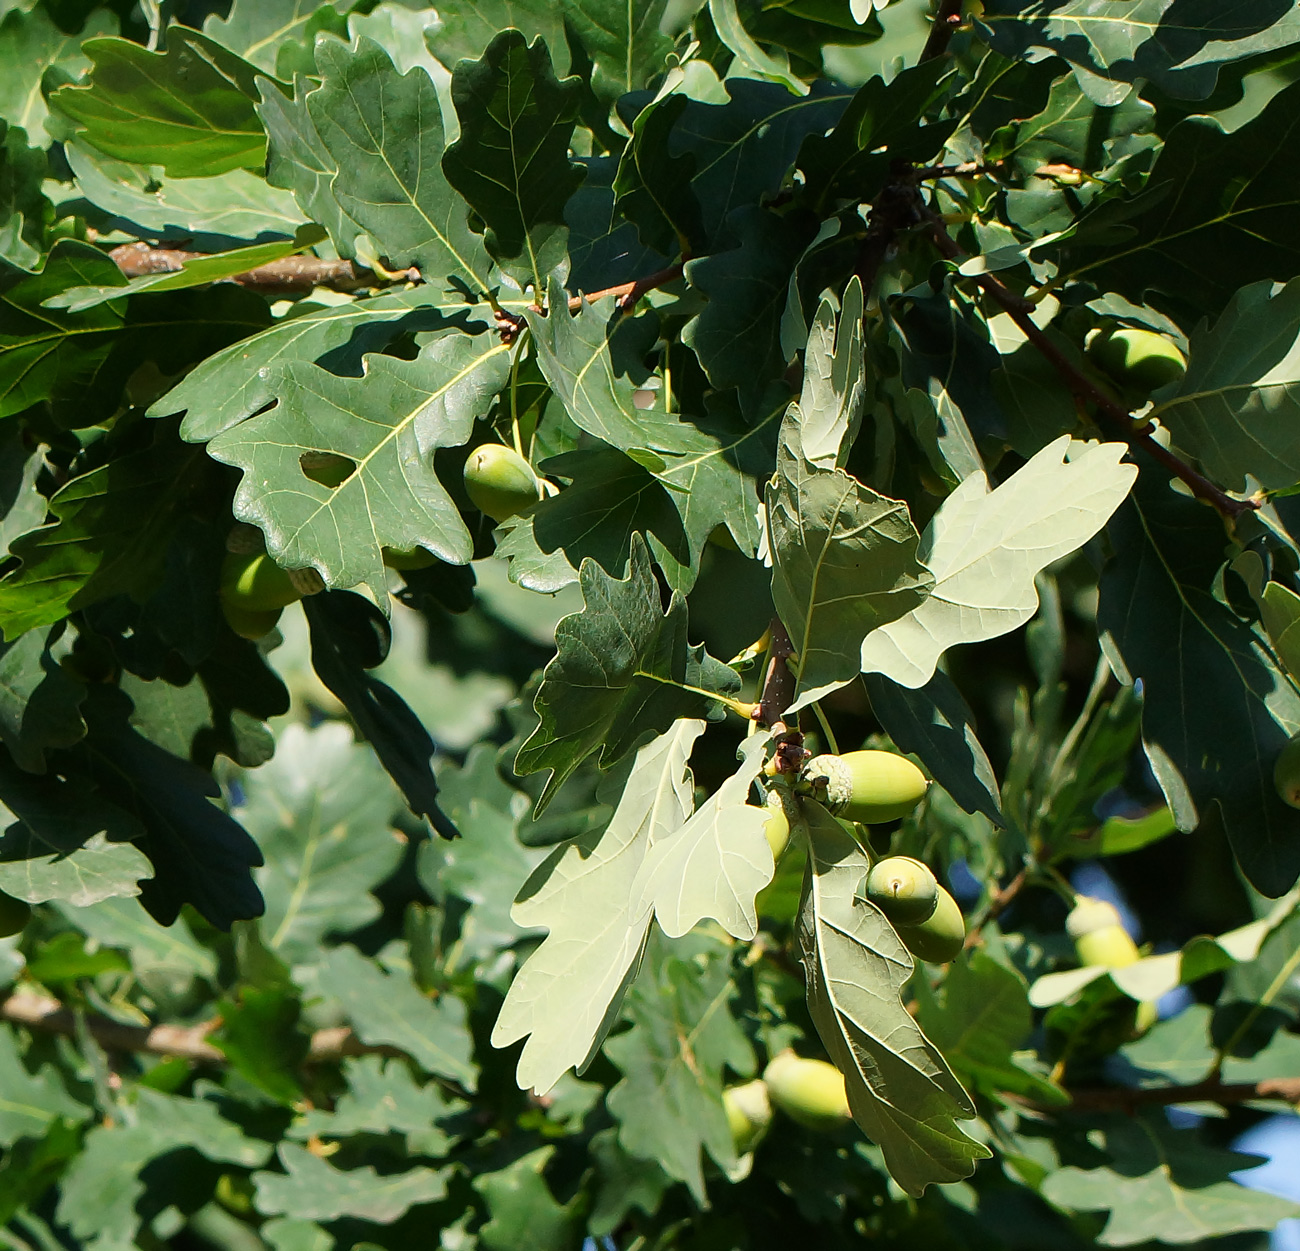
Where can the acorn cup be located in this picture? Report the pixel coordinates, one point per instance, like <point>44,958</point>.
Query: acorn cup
<point>866,786</point>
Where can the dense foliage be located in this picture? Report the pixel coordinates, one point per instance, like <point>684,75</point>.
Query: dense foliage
<point>457,467</point>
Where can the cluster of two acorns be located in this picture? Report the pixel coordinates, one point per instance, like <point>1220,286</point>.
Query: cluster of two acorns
<point>870,788</point>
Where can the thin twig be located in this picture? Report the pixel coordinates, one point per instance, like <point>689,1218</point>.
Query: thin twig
<point>186,1042</point>
<point>1129,1099</point>
<point>630,292</point>
<point>1083,388</point>
<point>997,905</point>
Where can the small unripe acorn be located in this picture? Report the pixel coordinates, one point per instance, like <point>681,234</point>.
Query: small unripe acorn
<point>1140,360</point>
<point>250,623</point>
<point>866,786</point>
<point>1286,773</point>
<point>1099,935</point>
<point>14,915</point>
<point>777,828</point>
<point>941,936</point>
<point>253,582</point>
<point>810,1092</point>
<point>749,1113</point>
<point>500,482</point>
<point>903,889</point>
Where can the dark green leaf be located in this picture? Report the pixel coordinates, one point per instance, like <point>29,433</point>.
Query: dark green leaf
<point>1216,709</point>
<point>523,1209</point>
<point>511,161</point>
<point>623,668</point>
<point>622,40</point>
<point>189,109</point>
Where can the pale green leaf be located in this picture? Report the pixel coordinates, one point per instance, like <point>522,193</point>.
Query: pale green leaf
<point>716,864</point>
<point>901,1091</point>
<point>984,548</point>
<point>834,385</point>
<point>30,1101</point>
<point>756,63</point>
<point>567,995</point>
<point>524,1212</point>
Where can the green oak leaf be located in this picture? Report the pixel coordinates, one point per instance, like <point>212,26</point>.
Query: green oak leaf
<point>683,1034</point>
<point>1179,48</point>
<point>257,29</point>
<point>716,864</point>
<point>1216,709</point>
<point>623,41</point>
<point>834,384</point>
<point>30,46</point>
<point>511,161</point>
<point>31,1101</point>
<point>984,548</point>
<point>320,812</point>
<point>388,423</point>
<point>464,32</point>
<point>623,667</point>
<point>388,1009</point>
<point>1165,1184</point>
<point>567,995</point>
<point>523,1210</point>
<point>901,1091</point>
<point>313,1189</point>
<point>188,109</point>
<point>1236,411</point>
<point>844,562</point>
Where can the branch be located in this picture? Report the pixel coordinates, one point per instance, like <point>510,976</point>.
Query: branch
<point>186,1042</point>
<point>630,292</point>
<point>946,21</point>
<point>997,905</point>
<point>1084,389</point>
<point>1129,1100</point>
<point>288,276</point>
<point>894,209</point>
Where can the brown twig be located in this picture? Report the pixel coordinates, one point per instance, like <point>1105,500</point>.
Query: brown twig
<point>630,292</point>
<point>779,682</point>
<point>29,1007</point>
<point>287,276</point>
<point>997,905</point>
<point>1130,1099</point>
<point>893,210</point>
<point>946,21</point>
<point>1083,388</point>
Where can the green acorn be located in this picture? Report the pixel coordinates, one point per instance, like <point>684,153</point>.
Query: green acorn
<point>903,889</point>
<point>1286,773</point>
<point>777,828</point>
<point>810,1092</point>
<point>253,582</point>
<point>940,937</point>
<point>500,482</point>
<point>1099,934</point>
<point>749,1113</point>
<point>1138,360</point>
<point>866,786</point>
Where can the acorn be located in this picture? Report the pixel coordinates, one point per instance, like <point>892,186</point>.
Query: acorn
<point>253,582</point>
<point>810,1092</point>
<point>903,889</point>
<point>1099,935</point>
<point>749,1113</point>
<point>941,936</point>
<point>777,828</point>
<point>500,482</point>
<point>1139,360</point>
<point>866,786</point>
